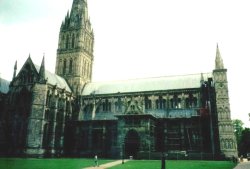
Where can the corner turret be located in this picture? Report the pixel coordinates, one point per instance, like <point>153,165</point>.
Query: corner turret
<point>228,145</point>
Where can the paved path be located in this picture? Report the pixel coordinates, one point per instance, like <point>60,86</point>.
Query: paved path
<point>243,165</point>
<point>107,165</point>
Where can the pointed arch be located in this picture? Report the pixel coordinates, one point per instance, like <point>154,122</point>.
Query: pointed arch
<point>70,65</point>
<point>160,103</point>
<point>67,42</point>
<point>148,103</point>
<point>132,143</point>
<point>64,66</point>
<point>73,41</point>
<point>45,135</point>
<point>62,41</point>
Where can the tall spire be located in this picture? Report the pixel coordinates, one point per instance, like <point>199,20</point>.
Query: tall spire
<point>76,40</point>
<point>42,71</point>
<point>80,6</point>
<point>15,68</point>
<point>78,15</point>
<point>218,60</point>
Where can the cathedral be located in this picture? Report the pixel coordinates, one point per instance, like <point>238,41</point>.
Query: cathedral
<point>65,114</point>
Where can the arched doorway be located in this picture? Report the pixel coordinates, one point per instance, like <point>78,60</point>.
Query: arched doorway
<point>132,143</point>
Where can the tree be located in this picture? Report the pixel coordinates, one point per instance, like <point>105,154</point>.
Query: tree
<point>244,146</point>
<point>238,128</point>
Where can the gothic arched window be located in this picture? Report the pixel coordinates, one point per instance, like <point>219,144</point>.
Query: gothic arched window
<point>148,103</point>
<point>70,65</point>
<point>73,41</point>
<point>64,66</point>
<point>67,42</point>
<point>160,103</point>
<point>175,102</point>
<point>106,105</point>
<point>62,41</point>
<point>45,136</point>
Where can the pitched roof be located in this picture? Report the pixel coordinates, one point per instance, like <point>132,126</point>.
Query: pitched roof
<point>147,84</point>
<point>54,79</point>
<point>4,86</point>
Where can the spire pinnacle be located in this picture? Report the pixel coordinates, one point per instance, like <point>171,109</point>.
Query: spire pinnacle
<point>79,12</point>
<point>15,68</point>
<point>218,60</point>
<point>42,71</point>
<point>202,79</point>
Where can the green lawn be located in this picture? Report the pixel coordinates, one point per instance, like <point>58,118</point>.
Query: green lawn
<point>32,163</point>
<point>173,164</point>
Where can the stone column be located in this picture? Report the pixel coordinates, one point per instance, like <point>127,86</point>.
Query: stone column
<point>63,122</point>
<point>153,99</point>
<point>182,134</point>
<point>171,105</point>
<point>103,137</point>
<point>54,111</point>
<point>124,104</point>
<point>121,132</point>
<point>140,103</point>
<point>113,101</point>
<point>94,108</point>
<point>182,97</point>
<point>197,95</point>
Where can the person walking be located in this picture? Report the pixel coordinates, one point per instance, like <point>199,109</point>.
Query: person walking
<point>96,161</point>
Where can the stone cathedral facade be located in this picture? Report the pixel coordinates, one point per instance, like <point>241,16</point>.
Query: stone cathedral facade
<point>66,114</point>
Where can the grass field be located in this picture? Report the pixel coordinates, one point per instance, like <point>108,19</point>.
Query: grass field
<point>32,163</point>
<point>173,164</point>
<point>19,163</point>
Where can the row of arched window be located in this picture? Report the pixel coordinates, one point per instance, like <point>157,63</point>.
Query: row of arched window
<point>227,144</point>
<point>68,42</point>
<point>88,44</point>
<point>224,113</point>
<point>28,77</point>
<point>86,69</point>
<point>226,128</point>
<point>160,103</point>
<point>55,116</point>
<point>70,67</point>
<point>174,103</point>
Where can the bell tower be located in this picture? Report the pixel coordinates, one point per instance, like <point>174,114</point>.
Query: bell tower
<point>227,139</point>
<point>75,47</point>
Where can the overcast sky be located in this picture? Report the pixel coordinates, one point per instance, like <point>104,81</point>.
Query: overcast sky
<point>138,38</point>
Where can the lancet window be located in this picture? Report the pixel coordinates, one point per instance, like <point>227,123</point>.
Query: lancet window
<point>70,66</point>
<point>160,103</point>
<point>73,41</point>
<point>106,105</point>
<point>175,102</point>
<point>64,66</point>
<point>148,103</point>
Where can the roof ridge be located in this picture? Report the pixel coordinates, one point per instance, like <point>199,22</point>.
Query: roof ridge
<point>145,78</point>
